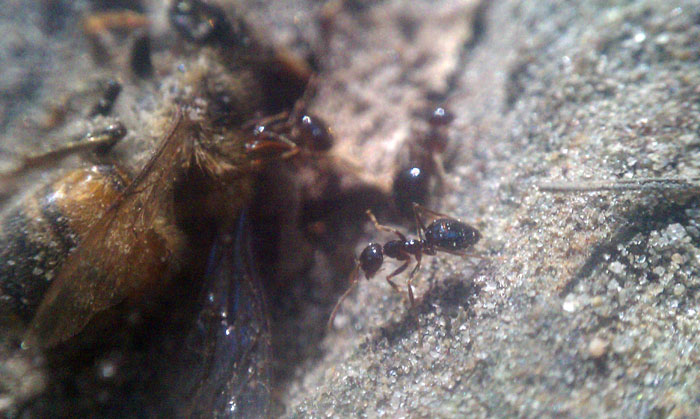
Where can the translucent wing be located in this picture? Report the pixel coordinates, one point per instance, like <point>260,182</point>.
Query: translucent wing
<point>131,248</point>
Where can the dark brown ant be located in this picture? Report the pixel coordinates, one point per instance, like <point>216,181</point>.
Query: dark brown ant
<point>443,234</point>
<point>298,127</point>
<point>412,182</point>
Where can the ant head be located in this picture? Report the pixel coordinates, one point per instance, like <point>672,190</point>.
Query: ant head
<point>313,133</point>
<point>371,259</point>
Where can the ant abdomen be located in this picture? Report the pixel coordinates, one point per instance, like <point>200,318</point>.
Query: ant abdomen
<point>411,184</point>
<point>440,117</point>
<point>451,234</point>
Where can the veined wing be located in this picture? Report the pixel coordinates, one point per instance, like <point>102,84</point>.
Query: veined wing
<point>131,248</point>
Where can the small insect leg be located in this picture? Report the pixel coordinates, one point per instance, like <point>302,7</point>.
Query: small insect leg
<point>410,280</point>
<point>420,209</point>
<point>383,227</point>
<point>398,271</point>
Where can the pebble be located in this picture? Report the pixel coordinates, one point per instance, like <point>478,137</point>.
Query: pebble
<point>597,347</point>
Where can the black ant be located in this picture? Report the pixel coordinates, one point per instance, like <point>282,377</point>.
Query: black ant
<point>443,234</point>
<point>412,182</point>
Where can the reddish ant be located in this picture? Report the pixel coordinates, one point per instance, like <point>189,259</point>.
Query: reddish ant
<point>443,234</point>
<point>293,130</point>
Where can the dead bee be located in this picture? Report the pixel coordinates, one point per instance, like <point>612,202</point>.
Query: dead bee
<point>42,229</point>
<point>154,277</point>
<point>92,241</point>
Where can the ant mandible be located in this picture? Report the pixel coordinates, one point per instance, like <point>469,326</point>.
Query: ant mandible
<point>443,234</point>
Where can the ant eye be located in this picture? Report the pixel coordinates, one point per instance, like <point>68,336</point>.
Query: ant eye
<point>371,259</point>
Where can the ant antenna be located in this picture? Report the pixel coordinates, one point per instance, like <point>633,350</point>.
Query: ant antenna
<point>355,275</point>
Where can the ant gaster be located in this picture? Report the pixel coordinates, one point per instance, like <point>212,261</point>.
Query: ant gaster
<point>443,234</point>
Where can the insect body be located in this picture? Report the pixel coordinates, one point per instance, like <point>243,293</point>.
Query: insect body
<point>44,228</point>
<point>412,181</point>
<point>443,234</point>
<point>298,128</point>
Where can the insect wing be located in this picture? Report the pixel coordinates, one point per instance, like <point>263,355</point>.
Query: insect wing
<point>222,369</point>
<point>130,247</point>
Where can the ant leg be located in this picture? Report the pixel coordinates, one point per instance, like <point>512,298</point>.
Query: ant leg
<point>98,28</point>
<point>99,23</point>
<point>418,208</point>
<point>479,256</point>
<point>274,146</point>
<point>301,103</point>
<point>355,276</point>
<point>384,228</point>
<point>468,254</point>
<point>398,270</point>
<point>410,280</point>
<point>444,183</point>
<point>420,225</point>
<point>276,119</point>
